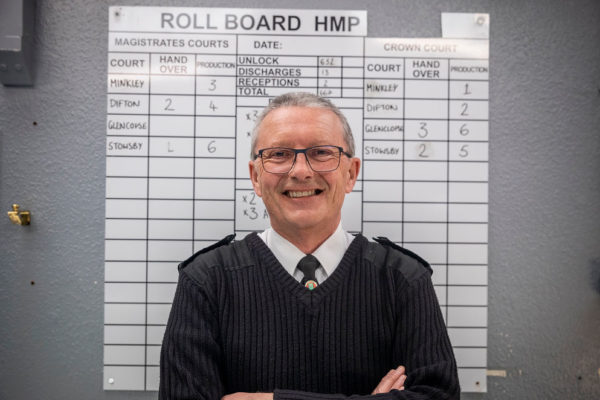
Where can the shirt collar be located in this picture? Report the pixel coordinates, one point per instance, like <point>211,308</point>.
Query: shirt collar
<point>329,254</point>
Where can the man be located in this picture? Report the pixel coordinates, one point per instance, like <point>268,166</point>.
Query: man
<point>304,310</point>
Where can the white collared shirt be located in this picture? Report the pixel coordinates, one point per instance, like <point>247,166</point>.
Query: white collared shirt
<point>329,254</point>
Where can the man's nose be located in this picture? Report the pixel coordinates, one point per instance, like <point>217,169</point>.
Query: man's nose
<point>301,168</point>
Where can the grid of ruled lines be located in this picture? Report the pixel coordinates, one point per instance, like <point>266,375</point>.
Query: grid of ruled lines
<point>430,152</point>
<point>178,139</point>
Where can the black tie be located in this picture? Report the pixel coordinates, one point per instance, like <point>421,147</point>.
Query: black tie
<point>308,265</point>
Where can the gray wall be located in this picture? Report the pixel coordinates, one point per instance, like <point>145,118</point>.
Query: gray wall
<point>544,293</point>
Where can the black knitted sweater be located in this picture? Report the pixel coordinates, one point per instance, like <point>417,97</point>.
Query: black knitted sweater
<point>241,323</point>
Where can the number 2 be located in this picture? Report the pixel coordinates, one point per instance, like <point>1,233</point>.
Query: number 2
<point>252,199</point>
<point>422,150</point>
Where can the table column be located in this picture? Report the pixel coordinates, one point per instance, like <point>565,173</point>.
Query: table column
<point>383,152</point>
<point>425,168</point>
<point>468,215</point>
<point>171,163</point>
<point>126,220</point>
<point>215,141</point>
<point>170,194</point>
<point>340,79</point>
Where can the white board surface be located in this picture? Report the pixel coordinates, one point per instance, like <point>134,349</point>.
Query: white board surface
<point>184,87</point>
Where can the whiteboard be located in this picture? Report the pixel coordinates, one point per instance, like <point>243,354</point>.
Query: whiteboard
<point>184,87</point>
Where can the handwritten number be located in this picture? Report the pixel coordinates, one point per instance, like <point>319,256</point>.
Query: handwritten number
<point>213,85</point>
<point>253,214</point>
<point>212,106</point>
<point>211,146</point>
<point>168,107</point>
<point>423,132</point>
<point>423,148</point>
<point>464,131</point>
<point>467,91</point>
<point>464,109</point>
<point>252,116</point>
<point>463,151</point>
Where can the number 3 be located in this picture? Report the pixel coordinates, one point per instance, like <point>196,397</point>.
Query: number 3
<point>423,130</point>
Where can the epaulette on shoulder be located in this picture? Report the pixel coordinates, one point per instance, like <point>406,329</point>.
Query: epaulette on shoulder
<point>387,242</point>
<point>225,241</point>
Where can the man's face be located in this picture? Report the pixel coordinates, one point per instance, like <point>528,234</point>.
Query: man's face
<point>303,199</point>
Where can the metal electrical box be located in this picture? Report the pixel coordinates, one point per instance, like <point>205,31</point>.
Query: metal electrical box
<point>16,42</point>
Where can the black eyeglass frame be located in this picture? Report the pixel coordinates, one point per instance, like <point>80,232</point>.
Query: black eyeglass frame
<point>303,151</point>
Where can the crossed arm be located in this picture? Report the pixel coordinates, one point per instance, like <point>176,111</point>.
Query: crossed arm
<point>394,379</point>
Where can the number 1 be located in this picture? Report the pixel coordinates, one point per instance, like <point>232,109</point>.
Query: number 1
<point>467,91</point>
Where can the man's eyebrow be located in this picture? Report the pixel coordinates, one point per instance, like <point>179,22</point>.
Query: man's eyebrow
<point>293,146</point>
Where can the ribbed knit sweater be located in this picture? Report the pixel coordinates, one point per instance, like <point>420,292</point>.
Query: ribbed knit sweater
<point>241,323</point>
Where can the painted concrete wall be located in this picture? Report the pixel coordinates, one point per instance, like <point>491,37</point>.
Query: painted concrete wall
<point>544,279</point>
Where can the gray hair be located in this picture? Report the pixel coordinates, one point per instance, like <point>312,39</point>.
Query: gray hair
<point>302,99</point>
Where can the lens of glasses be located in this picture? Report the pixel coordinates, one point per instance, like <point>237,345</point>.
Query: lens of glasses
<point>280,160</point>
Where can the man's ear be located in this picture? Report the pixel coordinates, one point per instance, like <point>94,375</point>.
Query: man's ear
<point>353,170</point>
<point>254,174</point>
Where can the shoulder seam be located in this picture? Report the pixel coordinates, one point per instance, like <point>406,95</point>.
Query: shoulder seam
<point>225,241</point>
<point>388,243</point>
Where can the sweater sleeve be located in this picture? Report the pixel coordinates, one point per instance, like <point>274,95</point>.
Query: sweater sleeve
<point>191,356</point>
<point>422,346</point>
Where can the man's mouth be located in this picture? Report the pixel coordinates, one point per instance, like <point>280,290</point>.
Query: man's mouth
<point>302,193</point>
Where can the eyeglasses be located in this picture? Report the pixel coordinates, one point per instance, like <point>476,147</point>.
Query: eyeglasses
<point>281,160</point>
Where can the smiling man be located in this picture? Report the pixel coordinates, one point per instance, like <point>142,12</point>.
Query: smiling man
<point>304,310</point>
<point>302,191</point>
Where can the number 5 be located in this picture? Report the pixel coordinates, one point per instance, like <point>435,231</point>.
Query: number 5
<point>423,130</point>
